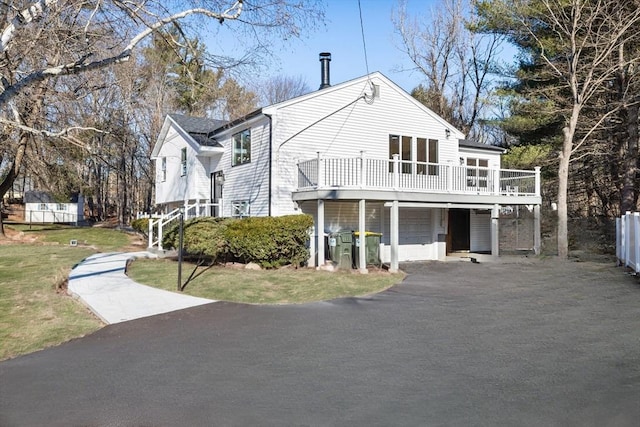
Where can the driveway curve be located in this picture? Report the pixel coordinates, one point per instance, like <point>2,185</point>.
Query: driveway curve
<point>534,343</point>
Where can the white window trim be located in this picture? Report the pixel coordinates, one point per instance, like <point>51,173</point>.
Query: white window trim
<point>240,208</point>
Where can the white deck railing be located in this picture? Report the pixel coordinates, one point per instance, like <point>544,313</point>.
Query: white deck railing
<point>382,174</point>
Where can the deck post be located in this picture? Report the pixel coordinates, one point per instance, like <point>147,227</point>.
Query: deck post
<point>496,180</point>
<point>537,169</point>
<point>394,229</point>
<point>449,169</point>
<point>536,230</point>
<point>320,233</point>
<point>362,254</point>
<point>495,231</point>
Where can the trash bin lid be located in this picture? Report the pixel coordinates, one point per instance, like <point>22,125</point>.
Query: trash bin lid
<point>367,233</point>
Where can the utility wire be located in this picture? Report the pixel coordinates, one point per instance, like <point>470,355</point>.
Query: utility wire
<point>364,43</point>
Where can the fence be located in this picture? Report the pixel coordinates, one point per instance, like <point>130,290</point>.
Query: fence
<point>628,240</point>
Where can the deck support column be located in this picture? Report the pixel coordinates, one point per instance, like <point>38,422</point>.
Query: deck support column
<point>320,233</point>
<point>362,246</point>
<point>495,231</point>
<point>394,229</point>
<point>536,230</point>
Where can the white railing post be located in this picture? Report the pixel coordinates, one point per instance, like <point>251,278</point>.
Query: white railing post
<point>627,239</point>
<point>450,171</point>
<point>320,183</point>
<point>363,175</point>
<point>396,171</point>
<point>160,233</point>
<point>186,210</point>
<point>150,232</point>
<point>623,240</point>
<point>636,249</point>
<point>220,205</point>
<point>197,208</point>
<point>537,169</point>
<point>496,180</point>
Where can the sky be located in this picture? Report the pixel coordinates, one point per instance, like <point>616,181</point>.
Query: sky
<point>342,37</point>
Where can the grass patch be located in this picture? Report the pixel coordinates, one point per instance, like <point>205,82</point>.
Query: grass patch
<point>282,286</point>
<point>103,239</point>
<point>32,314</point>
<point>35,312</point>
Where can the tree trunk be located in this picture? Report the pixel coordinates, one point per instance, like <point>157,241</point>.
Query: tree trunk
<point>563,183</point>
<point>629,191</point>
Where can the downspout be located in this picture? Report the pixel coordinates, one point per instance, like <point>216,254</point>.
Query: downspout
<point>270,160</point>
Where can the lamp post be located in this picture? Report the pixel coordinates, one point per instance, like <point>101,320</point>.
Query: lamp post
<point>180,243</point>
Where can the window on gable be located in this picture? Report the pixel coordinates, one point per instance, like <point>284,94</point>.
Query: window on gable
<point>241,148</point>
<point>427,156</point>
<point>400,145</point>
<point>163,169</point>
<point>183,162</point>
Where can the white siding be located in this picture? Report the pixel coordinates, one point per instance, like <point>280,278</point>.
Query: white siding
<point>249,181</point>
<point>174,188</point>
<point>480,231</point>
<point>317,124</point>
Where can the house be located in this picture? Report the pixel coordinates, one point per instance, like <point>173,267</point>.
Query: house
<point>360,155</point>
<point>42,207</point>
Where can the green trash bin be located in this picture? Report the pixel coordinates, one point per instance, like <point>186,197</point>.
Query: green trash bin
<point>341,248</point>
<point>372,249</point>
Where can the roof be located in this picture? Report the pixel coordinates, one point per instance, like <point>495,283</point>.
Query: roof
<point>44,197</point>
<point>473,144</point>
<point>199,128</point>
<point>197,125</point>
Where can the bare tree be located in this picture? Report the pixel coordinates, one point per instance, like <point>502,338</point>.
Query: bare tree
<point>44,42</point>
<point>580,42</point>
<point>456,63</point>
<point>282,88</point>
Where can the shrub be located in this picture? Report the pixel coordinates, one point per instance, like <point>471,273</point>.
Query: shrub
<point>204,236</point>
<point>270,241</point>
<point>141,225</point>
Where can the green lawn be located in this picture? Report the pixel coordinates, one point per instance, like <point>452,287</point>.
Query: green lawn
<point>33,313</point>
<point>283,286</point>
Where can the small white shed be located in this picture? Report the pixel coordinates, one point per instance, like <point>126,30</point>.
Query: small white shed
<point>41,207</point>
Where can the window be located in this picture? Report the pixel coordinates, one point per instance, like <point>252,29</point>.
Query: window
<point>400,145</point>
<point>427,152</point>
<point>241,148</point>
<point>163,169</point>
<point>43,206</point>
<point>183,162</point>
<point>240,208</point>
<point>477,172</point>
<point>61,207</point>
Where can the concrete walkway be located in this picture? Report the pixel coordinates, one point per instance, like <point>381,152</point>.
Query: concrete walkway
<point>100,282</point>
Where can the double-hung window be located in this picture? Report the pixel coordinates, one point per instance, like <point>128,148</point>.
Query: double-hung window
<point>477,172</point>
<point>163,168</point>
<point>427,156</point>
<point>400,145</point>
<point>241,148</point>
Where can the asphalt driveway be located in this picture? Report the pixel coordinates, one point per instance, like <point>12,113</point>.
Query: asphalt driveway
<point>533,343</point>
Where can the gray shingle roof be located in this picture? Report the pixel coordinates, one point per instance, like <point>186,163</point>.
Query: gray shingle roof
<point>199,128</point>
<point>198,125</point>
